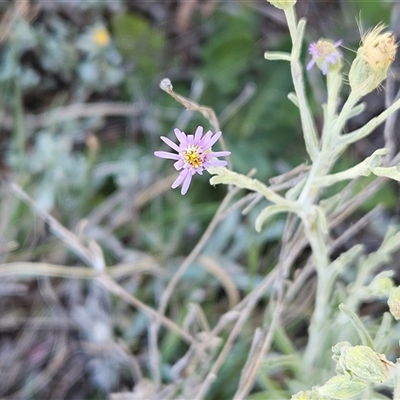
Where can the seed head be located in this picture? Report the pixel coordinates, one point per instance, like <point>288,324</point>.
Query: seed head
<point>373,60</point>
<point>378,49</point>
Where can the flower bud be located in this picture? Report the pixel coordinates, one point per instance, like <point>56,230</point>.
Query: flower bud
<point>381,285</point>
<point>364,363</point>
<point>308,395</point>
<point>325,55</point>
<point>282,4</point>
<point>339,348</point>
<point>342,387</point>
<point>373,60</point>
<point>394,302</point>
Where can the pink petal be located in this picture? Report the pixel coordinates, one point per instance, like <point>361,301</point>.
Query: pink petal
<point>198,134</point>
<point>190,140</point>
<point>331,58</point>
<point>338,43</point>
<point>200,170</point>
<point>213,140</point>
<point>204,142</point>
<point>170,143</point>
<point>179,164</point>
<point>186,183</point>
<point>218,154</point>
<point>313,49</point>
<point>165,154</point>
<point>215,163</point>
<point>179,179</point>
<point>181,136</point>
<point>310,64</point>
<point>325,67</point>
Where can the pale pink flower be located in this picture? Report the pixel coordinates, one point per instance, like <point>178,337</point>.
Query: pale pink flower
<point>194,155</point>
<point>324,52</point>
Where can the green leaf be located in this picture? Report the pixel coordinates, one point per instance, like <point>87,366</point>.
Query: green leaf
<point>229,51</point>
<point>136,39</point>
<point>268,212</point>
<point>365,337</point>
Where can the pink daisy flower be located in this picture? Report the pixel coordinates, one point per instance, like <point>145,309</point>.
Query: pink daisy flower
<point>324,52</point>
<point>194,155</point>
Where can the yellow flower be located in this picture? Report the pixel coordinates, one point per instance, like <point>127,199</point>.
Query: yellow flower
<point>101,36</point>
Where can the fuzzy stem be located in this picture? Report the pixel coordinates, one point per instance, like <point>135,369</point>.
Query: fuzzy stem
<point>332,145</point>
<point>307,122</point>
<point>318,332</point>
<point>334,84</point>
<point>321,166</point>
<point>321,155</point>
<point>344,113</point>
<point>369,126</point>
<point>396,392</point>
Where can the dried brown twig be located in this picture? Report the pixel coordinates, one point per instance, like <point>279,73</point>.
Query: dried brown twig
<point>92,255</point>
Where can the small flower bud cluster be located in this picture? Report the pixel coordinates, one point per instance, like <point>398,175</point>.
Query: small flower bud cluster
<point>373,60</point>
<point>359,361</point>
<point>356,367</point>
<point>384,286</point>
<point>381,285</point>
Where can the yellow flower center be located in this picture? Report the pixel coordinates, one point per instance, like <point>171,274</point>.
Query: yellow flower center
<point>325,48</point>
<point>101,37</point>
<point>192,156</point>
